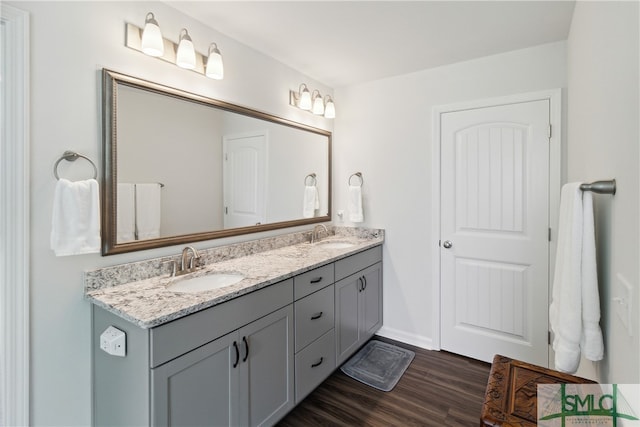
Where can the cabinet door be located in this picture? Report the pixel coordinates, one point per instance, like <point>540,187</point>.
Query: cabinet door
<point>199,388</point>
<point>347,293</point>
<point>267,359</point>
<point>371,307</point>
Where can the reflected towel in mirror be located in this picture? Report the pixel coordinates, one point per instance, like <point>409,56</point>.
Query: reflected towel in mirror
<point>126,213</point>
<point>147,211</point>
<point>311,201</point>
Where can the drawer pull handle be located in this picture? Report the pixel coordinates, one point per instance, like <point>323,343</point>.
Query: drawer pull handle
<point>317,316</point>
<point>246,347</point>
<point>315,365</point>
<point>235,345</point>
<point>317,280</point>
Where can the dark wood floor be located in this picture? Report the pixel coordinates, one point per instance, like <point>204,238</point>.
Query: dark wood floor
<point>438,389</point>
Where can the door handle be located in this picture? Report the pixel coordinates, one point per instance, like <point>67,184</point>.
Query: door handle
<point>246,348</point>
<point>235,345</point>
<point>448,244</point>
<point>318,363</point>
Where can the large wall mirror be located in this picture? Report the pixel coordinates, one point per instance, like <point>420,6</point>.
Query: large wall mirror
<point>179,168</point>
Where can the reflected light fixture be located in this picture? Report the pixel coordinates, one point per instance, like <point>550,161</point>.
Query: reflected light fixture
<point>152,43</point>
<point>318,103</point>
<point>312,102</point>
<point>329,108</point>
<point>215,67</point>
<point>186,54</point>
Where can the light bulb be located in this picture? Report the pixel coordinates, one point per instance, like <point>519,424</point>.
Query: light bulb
<point>318,103</point>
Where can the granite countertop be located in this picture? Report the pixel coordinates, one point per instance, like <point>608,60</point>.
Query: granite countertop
<point>148,303</point>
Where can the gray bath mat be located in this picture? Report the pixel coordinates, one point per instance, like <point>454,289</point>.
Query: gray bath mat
<point>378,364</point>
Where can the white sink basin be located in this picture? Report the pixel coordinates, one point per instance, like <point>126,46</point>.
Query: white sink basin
<point>329,244</point>
<point>206,283</point>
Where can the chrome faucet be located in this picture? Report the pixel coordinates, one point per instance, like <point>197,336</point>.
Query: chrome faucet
<point>187,264</point>
<point>316,232</point>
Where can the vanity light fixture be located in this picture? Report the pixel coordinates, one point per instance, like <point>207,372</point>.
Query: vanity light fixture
<point>312,102</point>
<point>215,67</point>
<point>152,43</point>
<point>186,54</point>
<point>182,54</point>
<point>318,103</point>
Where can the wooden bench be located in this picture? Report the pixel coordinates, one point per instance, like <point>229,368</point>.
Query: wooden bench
<point>511,396</point>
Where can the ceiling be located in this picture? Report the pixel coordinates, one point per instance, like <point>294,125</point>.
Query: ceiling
<point>340,43</point>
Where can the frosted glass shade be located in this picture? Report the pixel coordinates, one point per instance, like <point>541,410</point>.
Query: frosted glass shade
<point>305,99</point>
<point>330,109</point>
<point>186,55</point>
<point>318,106</point>
<point>152,43</point>
<point>215,67</point>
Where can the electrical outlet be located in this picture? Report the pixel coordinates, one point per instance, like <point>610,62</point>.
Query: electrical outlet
<point>623,301</point>
<point>114,341</point>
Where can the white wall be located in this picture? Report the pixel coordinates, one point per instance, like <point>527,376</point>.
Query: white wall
<point>603,140</point>
<point>384,130</point>
<point>70,43</point>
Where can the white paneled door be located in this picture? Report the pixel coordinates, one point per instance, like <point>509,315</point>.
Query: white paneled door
<point>495,231</point>
<point>245,176</point>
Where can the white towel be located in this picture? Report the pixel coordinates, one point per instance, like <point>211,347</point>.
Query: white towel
<point>75,222</point>
<point>354,205</point>
<point>310,201</point>
<point>125,218</point>
<point>575,308</point>
<point>148,211</point>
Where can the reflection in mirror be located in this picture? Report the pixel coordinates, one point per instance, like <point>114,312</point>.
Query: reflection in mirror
<point>180,167</point>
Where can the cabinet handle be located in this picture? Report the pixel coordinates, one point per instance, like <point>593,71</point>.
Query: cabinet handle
<point>364,280</point>
<point>235,345</point>
<point>317,316</point>
<point>316,280</point>
<point>360,284</point>
<point>246,347</point>
<point>315,365</point>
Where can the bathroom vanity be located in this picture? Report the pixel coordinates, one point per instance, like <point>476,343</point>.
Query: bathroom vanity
<point>244,354</point>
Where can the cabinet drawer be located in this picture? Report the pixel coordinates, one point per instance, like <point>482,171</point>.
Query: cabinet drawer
<point>314,364</point>
<point>347,266</point>
<point>314,316</point>
<point>311,281</point>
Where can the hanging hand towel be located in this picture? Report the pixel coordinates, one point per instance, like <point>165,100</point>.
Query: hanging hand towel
<point>148,211</point>
<point>75,222</point>
<point>574,297</point>
<point>126,221</point>
<point>355,204</point>
<point>310,201</point>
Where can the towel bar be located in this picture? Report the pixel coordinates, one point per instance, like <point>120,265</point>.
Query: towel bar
<point>72,156</point>
<point>600,187</point>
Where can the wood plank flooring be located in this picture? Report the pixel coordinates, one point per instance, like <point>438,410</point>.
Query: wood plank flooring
<point>438,389</point>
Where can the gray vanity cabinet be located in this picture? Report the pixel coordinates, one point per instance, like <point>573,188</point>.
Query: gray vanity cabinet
<point>244,378</point>
<point>358,301</point>
<point>231,364</point>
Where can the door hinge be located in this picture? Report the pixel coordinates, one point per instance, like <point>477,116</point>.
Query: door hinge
<point>549,132</point>
<point>549,337</point>
<point>549,233</point>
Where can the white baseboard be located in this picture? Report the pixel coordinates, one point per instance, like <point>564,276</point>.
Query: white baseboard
<point>407,338</point>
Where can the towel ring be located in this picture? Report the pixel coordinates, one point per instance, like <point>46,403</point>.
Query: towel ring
<point>72,156</point>
<point>313,178</point>
<point>359,175</point>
